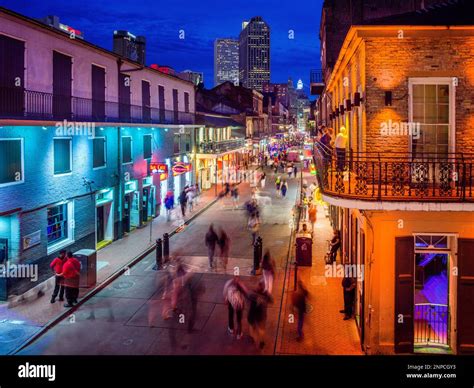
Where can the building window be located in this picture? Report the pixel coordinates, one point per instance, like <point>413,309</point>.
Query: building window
<point>11,161</point>
<point>57,229</point>
<point>147,150</point>
<point>99,152</point>
<point>126,149</point>
<point>186,102</point>
<point>62,155</point>
<point>176,145</point>
<point>188,142</point>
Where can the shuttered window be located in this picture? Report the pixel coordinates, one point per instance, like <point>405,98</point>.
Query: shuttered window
<point>11,166</point>
<point>99,152</point>
<point>62,156</point>
<point>147,149</point>
<point>126,149</point>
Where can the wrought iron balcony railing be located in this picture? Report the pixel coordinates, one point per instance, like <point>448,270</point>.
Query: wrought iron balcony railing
<point>18,103</point>
<point>216,147</point>
<point>395,177</point>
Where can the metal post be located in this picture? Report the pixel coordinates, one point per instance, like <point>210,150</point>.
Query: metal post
<point>296,274</point>
<point>159,254</point>
<point>166,246</point>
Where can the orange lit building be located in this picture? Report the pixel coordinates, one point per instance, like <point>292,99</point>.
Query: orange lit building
<point>403,195</point>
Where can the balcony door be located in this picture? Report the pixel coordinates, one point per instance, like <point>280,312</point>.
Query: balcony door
<point>62,86</point>
<point>12,70</point>
<point>146,102</point>
<point>98,93</point>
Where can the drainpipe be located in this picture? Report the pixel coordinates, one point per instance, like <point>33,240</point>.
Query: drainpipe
<point>121,184</point>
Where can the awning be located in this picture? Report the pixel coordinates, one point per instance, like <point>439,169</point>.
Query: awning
<point>217,121</point>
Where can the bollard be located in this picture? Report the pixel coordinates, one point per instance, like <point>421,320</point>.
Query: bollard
<point>159,254</point>
<point>166,246</point>
<point>257,249</point>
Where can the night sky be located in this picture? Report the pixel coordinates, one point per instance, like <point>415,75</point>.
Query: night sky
<point>202,21</point>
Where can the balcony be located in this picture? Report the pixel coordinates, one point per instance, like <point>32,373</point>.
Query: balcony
<point>218,147</point>
<point>396,177</point>
<point>20,104</point>
<point>316,82</point>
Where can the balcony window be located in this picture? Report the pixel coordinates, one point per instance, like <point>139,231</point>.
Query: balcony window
<point>11,161</point>
<point>176,145</point>
<point>62,155</point>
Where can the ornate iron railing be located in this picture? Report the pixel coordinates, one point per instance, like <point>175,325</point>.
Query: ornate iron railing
<point>216,147</point>
<point>395,177</point>
<point>431,324</point>
<point>18,103</point>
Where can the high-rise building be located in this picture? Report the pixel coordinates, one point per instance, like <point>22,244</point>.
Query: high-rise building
<point>226,61</point>
<point>254,50</point>
<point>130,46</point>
<point>53,21</point>
<point>195,77</point>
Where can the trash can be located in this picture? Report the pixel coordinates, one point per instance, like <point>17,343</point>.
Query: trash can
<point>304,250</point>
<point>88,260</point>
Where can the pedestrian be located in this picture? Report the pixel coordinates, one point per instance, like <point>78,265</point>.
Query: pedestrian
<point>183,199</point>
<point>234,193</point>
<point>289,170</point>
<point>253,226</point>
<point>224,245</point>
<point>211,241</point>
<point>335,244</point>
<point>295,170</point>
<point>278,185</point>
<point>299,298</point>
<point>57,267</point>
<point>340,145</point>
<point>234,297</point>
<point>226,189</point>
<point>190,198</point>
<point>268,271</point>
<point>348,285</point>
<point>284,188</point>
<point>312,215</point>
<point>71,273</point>
<point>169,204</point>
<point>197,194</point>
<point>262,180</point>
<point>257,315</point>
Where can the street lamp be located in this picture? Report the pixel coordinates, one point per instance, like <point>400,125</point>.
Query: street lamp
<point>301,174</point>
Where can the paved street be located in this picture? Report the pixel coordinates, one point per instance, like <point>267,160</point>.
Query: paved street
<point>125,317</point>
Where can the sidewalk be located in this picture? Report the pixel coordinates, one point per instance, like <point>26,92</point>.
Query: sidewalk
<point>325,331</point>
<point>22,320</point>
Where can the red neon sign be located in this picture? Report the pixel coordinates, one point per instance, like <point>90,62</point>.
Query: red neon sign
<point>159,168</point>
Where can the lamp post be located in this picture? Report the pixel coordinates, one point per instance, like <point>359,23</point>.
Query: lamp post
<point>301,176</point>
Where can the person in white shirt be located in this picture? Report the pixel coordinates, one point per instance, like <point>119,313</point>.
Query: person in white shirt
<point>340,144</point>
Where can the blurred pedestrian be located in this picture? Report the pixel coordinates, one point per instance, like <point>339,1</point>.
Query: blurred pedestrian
<point>71,273</point>
<point>268,267</point>
<point>253,225</point>
<point>312,215</point>
<point>57,267</point>
<point>257,315</point>
<point>262,180</point>
<point>169,204</point>
<point>211,241</point>
<point>183,199</point>
<point>234,193</point>
<point>295,170</point>
<point>190,198</point>
<point>224,245</point>
<point>234,297</point>
<point>299,298</point>
<point>278,185</point>
<point>284,188</point>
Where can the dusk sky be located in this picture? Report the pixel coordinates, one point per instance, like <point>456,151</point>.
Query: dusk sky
<point>202,21</point>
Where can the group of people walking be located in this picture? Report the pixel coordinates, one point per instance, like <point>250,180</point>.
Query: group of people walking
<point>67,271</point>
<point>222,240</point>
<point>188,198</point>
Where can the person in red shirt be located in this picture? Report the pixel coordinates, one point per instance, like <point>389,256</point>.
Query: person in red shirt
<point>57,266</point>
<point>71,273</point>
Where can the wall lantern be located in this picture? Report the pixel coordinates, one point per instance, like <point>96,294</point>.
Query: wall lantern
<point>348,105</point>
<point>357,99</point>
<point>341,109</point>
<point>388,98</point>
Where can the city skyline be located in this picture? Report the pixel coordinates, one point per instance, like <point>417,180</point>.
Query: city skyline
<point>293,42</point>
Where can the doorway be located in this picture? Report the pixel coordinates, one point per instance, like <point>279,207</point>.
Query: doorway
<point>431,307</point>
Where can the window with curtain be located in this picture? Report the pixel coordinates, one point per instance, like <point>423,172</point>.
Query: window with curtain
<point>62,156</point>
<point>99,152</point>
<point>11,168</point>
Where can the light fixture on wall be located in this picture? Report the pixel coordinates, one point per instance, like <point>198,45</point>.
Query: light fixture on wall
<point>348,105</point>
<point>388,98</point>
<point>357,99</point>
<point>341,109</point>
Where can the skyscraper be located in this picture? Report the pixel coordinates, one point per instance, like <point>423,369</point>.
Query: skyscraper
<point>226,61</point>
<point>130,46</point>
<point>254,50</point>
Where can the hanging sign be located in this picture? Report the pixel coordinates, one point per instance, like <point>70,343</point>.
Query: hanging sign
<point>181,168</point>
<point>159,168</point>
